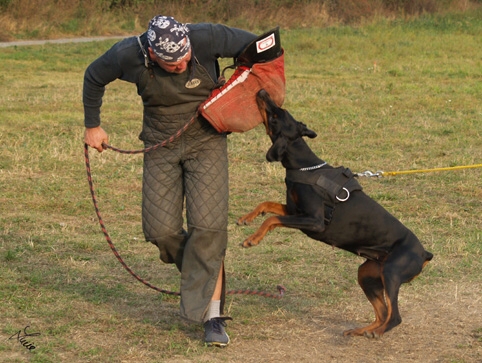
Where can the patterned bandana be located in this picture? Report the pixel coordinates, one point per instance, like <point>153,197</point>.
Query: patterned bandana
<point>168,38</point>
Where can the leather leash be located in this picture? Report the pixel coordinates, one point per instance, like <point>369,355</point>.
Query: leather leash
<point>281,289</point>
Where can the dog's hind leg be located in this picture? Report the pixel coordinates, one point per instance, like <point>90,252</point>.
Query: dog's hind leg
<point>404,263</point>
<point>371,282</point>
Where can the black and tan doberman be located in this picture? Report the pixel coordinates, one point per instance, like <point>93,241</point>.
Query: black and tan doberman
<point>327,204</point>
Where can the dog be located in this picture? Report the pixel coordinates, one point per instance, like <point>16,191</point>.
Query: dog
<point>328,205</point>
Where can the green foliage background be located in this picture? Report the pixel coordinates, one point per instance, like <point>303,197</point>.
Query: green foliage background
<point>37,19</point>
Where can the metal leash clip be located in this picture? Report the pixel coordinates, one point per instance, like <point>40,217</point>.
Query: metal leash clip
<point>370,174</point>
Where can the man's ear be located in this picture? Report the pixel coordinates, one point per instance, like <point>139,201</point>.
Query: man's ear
<point>277,150</point>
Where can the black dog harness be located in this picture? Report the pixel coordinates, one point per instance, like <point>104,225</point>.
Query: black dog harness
<point>334,184</point>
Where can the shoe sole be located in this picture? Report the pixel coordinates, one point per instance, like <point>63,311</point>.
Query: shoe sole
<point>216,344</point>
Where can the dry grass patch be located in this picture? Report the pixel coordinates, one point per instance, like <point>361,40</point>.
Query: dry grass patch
<point>417,110</point>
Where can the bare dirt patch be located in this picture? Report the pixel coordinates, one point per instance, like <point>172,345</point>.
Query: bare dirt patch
<point>442,324</point>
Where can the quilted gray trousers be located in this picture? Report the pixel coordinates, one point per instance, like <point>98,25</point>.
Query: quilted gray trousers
<point>194,170</point>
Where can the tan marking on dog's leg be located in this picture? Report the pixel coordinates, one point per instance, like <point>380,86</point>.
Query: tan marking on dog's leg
<point>268,225</point>
<point>263,208</point>
<point>423,266</point>
<point>370,280</point>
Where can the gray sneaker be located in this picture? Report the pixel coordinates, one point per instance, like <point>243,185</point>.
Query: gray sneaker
<point>214,333</point>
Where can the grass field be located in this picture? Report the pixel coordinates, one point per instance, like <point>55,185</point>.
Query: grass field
<point>388,96</point>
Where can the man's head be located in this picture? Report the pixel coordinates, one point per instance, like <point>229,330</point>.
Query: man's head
<point>169,43</point>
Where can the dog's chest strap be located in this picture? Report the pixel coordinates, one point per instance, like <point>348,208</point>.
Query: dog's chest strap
<point>338,182</point>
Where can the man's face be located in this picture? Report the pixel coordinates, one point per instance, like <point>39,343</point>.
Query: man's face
<point>172,67</point>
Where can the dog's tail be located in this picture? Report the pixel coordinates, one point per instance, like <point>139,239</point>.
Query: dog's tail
<point>428,256</point>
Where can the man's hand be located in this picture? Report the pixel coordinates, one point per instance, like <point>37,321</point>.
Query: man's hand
<point>94,137</point>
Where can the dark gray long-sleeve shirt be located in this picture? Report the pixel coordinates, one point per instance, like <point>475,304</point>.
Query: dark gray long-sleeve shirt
<point>125,61</point>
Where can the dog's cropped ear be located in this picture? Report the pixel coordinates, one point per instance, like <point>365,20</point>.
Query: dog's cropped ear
<point>305,131</point>
<point>277,150</point>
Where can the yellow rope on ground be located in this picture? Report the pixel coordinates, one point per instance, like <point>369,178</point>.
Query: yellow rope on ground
<point>392,173</point>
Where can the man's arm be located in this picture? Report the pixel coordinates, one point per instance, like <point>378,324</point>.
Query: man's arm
<point>98,74</point>
<point>229,42</point>
<point>119,62</point>
<point>213,41</point>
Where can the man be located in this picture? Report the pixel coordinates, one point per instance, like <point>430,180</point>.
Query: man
<point>175,68</point>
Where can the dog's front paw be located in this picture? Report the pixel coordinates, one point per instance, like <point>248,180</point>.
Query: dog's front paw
<point>246,219</point>
<point>242,221</point>
<point>249,242</point>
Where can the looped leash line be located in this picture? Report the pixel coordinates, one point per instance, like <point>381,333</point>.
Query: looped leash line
<point>380,173</point>
<point>106,234</point>
<point>154,147</point>
<point>281,289</point>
